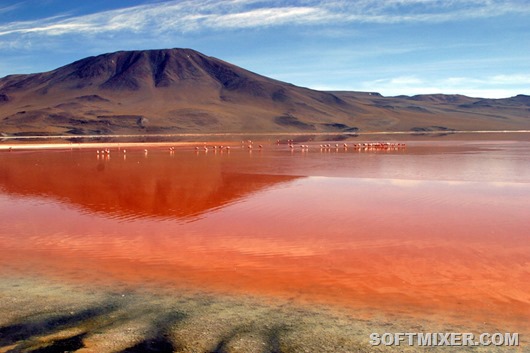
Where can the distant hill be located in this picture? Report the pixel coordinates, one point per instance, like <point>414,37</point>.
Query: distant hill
<point>183,91</point>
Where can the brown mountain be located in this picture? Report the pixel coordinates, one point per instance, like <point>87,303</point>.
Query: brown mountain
<point>181,90</point>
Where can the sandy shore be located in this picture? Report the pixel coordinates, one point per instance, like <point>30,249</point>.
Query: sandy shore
<point>49,316</point>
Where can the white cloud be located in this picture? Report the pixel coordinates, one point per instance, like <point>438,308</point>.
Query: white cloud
<point>510,80</point>
<point>517,79</point>
<point>406,80</point>
<point>194,15</point>
<point>498,86</point>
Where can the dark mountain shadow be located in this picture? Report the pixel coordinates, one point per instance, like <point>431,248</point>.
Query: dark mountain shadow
<point>31,328</point>
<point>159,344</point>
<point>158,340</point>
<point>70,344</point>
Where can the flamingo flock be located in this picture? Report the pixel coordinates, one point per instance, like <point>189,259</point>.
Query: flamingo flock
<point>216,148</point>
<point>249,145</point>
<point>365,146</point>
<point>106,151</point>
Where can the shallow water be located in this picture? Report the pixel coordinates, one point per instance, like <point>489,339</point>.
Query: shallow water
<point>431,236</point>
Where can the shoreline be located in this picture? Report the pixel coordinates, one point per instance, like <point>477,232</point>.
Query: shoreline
<point>89,145</point>
<point>272,133</point>
<point>8,143</point>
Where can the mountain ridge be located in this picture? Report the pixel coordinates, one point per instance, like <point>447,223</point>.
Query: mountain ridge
<point>183,90</point>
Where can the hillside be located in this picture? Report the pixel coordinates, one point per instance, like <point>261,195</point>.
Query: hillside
<point>184,91</point>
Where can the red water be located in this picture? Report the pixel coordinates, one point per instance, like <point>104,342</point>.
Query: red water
<point>436,229</point>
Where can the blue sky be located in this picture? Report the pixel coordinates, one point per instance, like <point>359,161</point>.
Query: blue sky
<point>478,48</point>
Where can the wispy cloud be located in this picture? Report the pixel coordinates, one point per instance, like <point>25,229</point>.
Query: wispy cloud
<point>183,16</point>
<point>267,17</point>
<point>432,11</point>
<point>4,9</point>
<point>186,16</point>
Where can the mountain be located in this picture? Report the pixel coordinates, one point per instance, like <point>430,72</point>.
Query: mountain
<point>184,91</point>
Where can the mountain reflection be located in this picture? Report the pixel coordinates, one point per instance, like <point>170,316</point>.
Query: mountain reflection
<point>179,185</point>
